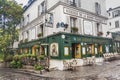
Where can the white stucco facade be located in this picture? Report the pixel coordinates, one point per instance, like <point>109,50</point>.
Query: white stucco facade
<point>114,20</point>
<point>86,18</point>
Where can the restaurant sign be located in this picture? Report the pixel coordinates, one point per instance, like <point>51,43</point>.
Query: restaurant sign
<point>84,15</point>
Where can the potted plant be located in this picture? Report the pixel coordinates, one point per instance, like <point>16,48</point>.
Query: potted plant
<point>74,29</point>
<point>100,33</point>
<point>26,40</point>
<point>39,34</point>
<point>21,41</point>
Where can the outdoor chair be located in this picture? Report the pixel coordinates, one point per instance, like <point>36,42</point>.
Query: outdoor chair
<point>84,61</point>
<point>73,64</point>
<point>66,65</point>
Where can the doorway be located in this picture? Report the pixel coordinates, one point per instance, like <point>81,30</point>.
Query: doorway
<point>76,50</point>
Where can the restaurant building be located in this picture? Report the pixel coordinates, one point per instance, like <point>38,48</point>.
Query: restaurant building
<point>65,30</point>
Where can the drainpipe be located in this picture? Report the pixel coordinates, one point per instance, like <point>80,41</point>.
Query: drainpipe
<point>48,56</point>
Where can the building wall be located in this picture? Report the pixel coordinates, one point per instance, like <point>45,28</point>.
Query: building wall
<point>91,6</point>
<point>61,16</point>
<point>112,19</point>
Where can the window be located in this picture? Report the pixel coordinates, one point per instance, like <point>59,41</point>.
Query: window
<point>41,8</point>
<point>110,23</point>
<point>28,16</point>
<point>99,28</point>
<point>116,13</point>
<point>116,24</point>
<point>88,27</point>
<point>73,22</point>
<point>97,8</point>
<point>109,14</point>
<point>72,2</point>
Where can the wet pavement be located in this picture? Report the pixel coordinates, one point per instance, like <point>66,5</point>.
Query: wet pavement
<point>101,71</point>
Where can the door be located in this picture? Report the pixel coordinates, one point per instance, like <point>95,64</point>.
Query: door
<point>76,50</point>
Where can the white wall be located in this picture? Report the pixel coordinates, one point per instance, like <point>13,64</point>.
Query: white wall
<point>90,6</point>
<point>58,16</point>
<point>112,20</point>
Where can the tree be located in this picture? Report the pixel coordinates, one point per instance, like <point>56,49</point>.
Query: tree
<point>12,14</point>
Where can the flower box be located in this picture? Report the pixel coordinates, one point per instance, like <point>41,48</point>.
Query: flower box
<point>100,33</point>
<point>74,29</point>
<point>39,35</point>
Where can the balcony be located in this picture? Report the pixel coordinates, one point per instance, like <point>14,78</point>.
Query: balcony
<point>99,33</point>
<point>74,29</point>
<point>72,3</point>
<point>40,35</point>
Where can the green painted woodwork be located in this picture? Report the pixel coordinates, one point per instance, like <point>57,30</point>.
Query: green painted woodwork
<point>66,40</point>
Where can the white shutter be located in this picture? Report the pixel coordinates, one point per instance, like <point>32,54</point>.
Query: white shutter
<point>79,3</point>
<point>68,22</point>
<point>79,26</point>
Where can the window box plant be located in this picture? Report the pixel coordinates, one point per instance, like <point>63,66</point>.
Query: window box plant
<point>74,29</point>
<point>21,41</point>
<point>100,33</point>
<point>39,34</point>
<point>26,40</point>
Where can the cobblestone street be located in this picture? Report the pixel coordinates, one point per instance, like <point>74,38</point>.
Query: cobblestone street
<point>105,71</point>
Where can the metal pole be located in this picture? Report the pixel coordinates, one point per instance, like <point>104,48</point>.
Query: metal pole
<point>48,55</point>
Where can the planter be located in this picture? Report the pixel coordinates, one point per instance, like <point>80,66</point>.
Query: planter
<point>40,34</point>
<point>21,41</point>
<point>26,40</point>
<point>100,33</point>
<point>74,29</point>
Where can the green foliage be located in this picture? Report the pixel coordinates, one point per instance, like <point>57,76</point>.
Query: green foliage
<point>1,57</point>
<point>38,67</point>
<point>16,57</point>
<point>74,29</point>
<point>11,10</point>
<point>9,58</point>
<point>16,64</point>
<point>41,57</point>
<point>13,14</point>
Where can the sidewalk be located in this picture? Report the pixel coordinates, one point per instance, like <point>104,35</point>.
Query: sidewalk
<point>101,71</point>
<point>98,72</point>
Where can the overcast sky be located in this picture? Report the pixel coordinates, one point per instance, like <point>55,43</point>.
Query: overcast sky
<point>24,2</point>
<point>109,3</point>
<point>112,3</point>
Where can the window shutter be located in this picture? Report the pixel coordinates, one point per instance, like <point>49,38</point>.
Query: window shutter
<point>97,8</point>
<point>79,3</point>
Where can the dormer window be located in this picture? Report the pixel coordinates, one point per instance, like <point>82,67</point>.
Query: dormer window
<point>97,8</point>
<point>41,8</point>
<point>73,3</point>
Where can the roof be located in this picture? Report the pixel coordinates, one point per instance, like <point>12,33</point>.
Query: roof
<point>30,2</point>
<point>110,9</point>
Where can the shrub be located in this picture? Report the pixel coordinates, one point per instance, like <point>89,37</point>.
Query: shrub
<point>16,57</point>
<point>1,57</point>
<point>38,67</point>
<point>9,58</point>
<point>41,57</point>
<point>16,64</point>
